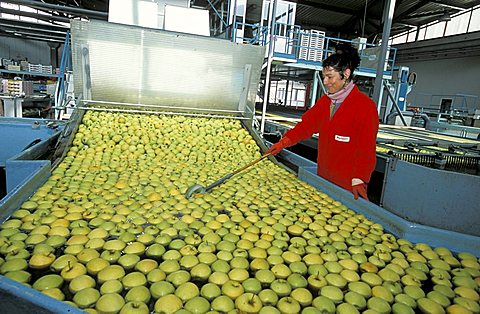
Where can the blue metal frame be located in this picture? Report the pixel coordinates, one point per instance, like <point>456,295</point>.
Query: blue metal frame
<point>17,298</point>
<point>65,65</point>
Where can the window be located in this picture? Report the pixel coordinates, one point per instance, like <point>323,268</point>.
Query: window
<point>435,30</point>
<point>400,39</point>
<point>475,21</point>
<point>411,35</point>
<point>421,33</point>
<point>458,25</point>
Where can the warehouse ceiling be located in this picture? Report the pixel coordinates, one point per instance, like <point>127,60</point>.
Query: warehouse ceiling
<point>340,18</point>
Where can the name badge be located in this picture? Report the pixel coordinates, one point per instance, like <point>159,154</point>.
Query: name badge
<point>340,138</point>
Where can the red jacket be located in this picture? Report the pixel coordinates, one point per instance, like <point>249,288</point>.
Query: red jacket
<point>347,143</point>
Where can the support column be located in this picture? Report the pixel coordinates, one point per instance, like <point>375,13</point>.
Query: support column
<point>388,10</point>
<point>271,14</point>
<point>313,95</point>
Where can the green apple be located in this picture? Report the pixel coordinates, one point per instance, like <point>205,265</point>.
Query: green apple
<point>438,298</point>
<point>187,291</point>
<point>379,305</point>
<point>223,304</point>
<point>303,296</point>
<point>248,303</point>
<point>268,297</point>
<point>346,308</point>
<point>281,287</point>
<point>232,289</point>
<point>429,306</point>
<point>361,288</point>
<point>197,305</point>
<point>252,285</point>
<point>333,293</point>
<point>161,288</point>
<point>324,305</point>
<point>356,299</point>
<point>288,305</point>
<point>168,304</point>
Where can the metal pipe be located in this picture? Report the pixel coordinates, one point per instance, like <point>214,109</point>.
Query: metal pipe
<point>394,103</point>
<point>158,106</point>
<point>313,94</point>
<point>388,9</point>
<point>156,112</point>
<point>61,8</point>
<point>271,13</point>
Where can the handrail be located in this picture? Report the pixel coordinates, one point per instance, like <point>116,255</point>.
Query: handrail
<point>293,34</point>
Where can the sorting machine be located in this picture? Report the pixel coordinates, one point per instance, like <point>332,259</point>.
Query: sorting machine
<point>172,73</point>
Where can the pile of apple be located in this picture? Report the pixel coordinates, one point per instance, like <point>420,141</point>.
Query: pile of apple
<point>112,232</point>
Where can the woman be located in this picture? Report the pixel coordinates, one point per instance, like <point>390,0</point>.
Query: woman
<point>346,121</point>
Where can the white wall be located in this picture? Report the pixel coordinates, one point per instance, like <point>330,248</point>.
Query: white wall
<point>445,77</point>
<point>36,51</point>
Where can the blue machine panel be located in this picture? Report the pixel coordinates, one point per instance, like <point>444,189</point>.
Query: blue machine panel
<point>454,196</point>
<point>20,134</point>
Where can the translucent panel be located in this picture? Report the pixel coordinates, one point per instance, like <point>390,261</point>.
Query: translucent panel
<point>28,19</point>
<point>412,35</point>
<point>400,39</point>
<point>24,8</point>
<point>475,21</point>
<point>421,33</point>
<point>129,64</point>
<point>10,16</point>
<point>9,6</point>
<point>458,24</point>
<point>435,30</point>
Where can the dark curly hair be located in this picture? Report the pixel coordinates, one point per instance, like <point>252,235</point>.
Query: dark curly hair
<point>345,57</point>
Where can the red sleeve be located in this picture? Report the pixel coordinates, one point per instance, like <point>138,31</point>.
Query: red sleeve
<point>365,150</point>
<point>308,126</point>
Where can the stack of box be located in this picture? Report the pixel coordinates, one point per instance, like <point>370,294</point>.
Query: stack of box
<point>17,88</point>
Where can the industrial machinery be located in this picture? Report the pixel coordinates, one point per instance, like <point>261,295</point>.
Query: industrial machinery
<point>175,77</point>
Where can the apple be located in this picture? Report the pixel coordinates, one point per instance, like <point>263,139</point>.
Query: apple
<point>302,296</point>
<point>187,291</point>
<point>197,305</point>
<point>252,285</point>
<point>223,304</point>
<point>324,305</point>
<point>248,303</point>
<point>232,289</point>
<point>281,287</point>
<point>268,297</point>
<point>288,305</point>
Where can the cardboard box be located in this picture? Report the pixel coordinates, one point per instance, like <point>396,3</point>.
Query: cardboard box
<point>12,67</point>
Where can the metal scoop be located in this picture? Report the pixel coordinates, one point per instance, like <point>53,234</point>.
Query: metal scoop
<point>197,188</point>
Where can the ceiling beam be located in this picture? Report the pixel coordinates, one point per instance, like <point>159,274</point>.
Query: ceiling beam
<point>424,14</point>
<point>414,8</point>
<point>446,5</point>
<point>4,34</point>
<point>60,8</point>
<point>34,26</point>
<point>31,32</point>
<point>358,17</point>
<point>43,17</point>
<point>327,7</point>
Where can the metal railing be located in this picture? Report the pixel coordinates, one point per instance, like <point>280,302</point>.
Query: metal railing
<point>288,44</point>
